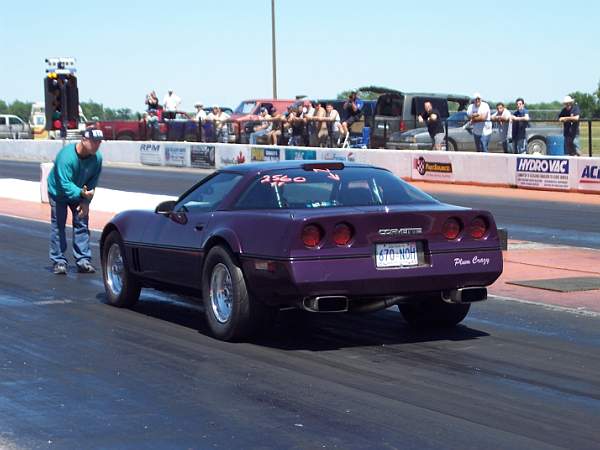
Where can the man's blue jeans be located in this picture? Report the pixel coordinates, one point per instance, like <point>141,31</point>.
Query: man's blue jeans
<point>481,142</point>
<point>58,238</point>
<point>257,134</point>
<point>520,145</point>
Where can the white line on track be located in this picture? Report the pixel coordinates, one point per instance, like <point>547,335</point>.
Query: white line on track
<point>577,311</point>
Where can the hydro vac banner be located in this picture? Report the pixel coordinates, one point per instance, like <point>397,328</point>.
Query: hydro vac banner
<point>543,173</point>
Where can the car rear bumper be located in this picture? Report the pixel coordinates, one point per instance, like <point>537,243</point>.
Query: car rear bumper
<point>288,282</point>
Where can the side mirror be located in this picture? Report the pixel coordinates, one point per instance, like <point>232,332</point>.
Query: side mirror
<point>166,207</point>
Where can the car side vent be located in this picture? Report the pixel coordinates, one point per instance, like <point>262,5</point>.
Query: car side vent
<point>135,259</point>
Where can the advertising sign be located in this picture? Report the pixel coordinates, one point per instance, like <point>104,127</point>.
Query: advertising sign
<point>299,154</point>
<point>202,156</point>
<point>265,154</point>
<point>151,154</point>
<point>588,174</point>
<point>235,154</point>
<point>175,155</point>
<point>544,173</point>
<point>337,155</point>
<point>432,167</point>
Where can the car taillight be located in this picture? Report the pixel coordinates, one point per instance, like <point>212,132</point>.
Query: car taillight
<point>311,235</point>
<point>402,126</point>
<point>451,228</point>
<point>342,234</point>
<point>478,227</point>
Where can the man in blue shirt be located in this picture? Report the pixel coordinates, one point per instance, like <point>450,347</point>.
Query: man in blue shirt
<point>352,112</point>
<point>569,116</point>
<point>520,122</point>
<point>71,184</point>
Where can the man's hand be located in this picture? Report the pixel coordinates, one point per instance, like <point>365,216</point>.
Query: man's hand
<point>83,209</point>
<point>87,194</point>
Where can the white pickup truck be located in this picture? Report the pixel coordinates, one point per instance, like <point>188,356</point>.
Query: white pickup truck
<point>13,127</point>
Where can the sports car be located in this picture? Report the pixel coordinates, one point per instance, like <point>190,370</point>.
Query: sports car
<point>324,237</point>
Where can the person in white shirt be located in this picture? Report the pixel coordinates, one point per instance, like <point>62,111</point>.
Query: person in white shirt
<point>502,117</point>
<point>170,104</point>
<point>264,128</point>
<point>334,125</point>
<point>219,119</point>
<point>479,114</point>
<point>200,113</point>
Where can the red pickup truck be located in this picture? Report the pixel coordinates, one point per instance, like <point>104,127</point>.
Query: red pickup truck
<point>182,128</point>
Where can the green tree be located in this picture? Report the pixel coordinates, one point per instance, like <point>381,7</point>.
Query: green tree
<point>3,107</point>
<point>588,103</point>
<point>366,92</point>
<point>21,109</point>
<point>92,109</point>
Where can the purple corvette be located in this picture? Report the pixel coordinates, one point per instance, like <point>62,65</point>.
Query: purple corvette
<point>319,236</point>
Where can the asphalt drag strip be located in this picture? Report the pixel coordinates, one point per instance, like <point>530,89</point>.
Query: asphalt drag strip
<point>75,372</point>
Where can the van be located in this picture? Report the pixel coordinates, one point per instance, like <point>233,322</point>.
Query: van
<point>13,127</point>
<point>397,111</point>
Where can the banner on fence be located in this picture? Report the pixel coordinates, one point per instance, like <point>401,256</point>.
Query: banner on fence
<point>151,154</point>
<point>265,153</point>
<point>175,155</point>
<point>588,174</point>
<point>202,156</point>
<point>434,167</point>
<point>542,173</point>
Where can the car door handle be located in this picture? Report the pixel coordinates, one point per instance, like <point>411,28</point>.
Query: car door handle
<point>199,226</point>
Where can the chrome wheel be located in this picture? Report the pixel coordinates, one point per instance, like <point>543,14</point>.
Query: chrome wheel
<point>221,292</point>
<point>114,269</point>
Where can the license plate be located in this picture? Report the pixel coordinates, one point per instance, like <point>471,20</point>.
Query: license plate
<point>396,255</point>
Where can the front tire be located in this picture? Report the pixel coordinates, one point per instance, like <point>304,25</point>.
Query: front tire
<point>451,145</point>
<point>122,288</point>
<point>537,146</point>
<point>433,312</point>
<point>231,312</point>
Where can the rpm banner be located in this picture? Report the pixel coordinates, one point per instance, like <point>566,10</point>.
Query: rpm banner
<point>151,154</point>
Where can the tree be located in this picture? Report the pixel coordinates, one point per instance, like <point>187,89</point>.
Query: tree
<point>366,92</point>
<point>588,103</point>
<point>21,109</point>
<point>3,107</point>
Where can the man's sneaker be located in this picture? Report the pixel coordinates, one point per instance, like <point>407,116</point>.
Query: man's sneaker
<point>60,268</point>
<point>85,267</point>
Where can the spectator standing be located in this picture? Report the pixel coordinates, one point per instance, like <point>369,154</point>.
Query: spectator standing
<point>569,116</point>
<point>71,184</point>
<point>502,117</point>
<point>431,117</point>
<point>200,113</point>
<point>279,123</point>
<point>152,101</point>
<point>520,122</point>
<point>219,120</point>
<point>321,125</point>
<point>308,113</point>
<point>352,112</point>
<point>334,125</point>
<point>479,115</point>
<point>296,124</point>
<point>152,123</point>
<point>171,103</point>
<point>262,129</point>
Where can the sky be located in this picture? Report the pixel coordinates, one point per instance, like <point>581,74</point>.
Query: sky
<point>220,52</point>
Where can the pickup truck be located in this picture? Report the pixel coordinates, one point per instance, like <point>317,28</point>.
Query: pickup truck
<point>182,128</point>
<point>12,127</point>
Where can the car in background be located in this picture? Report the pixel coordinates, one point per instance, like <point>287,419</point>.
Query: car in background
<point>323,237</point>
<point>246,116</point>
<point>13,127</point>
<point>460,136</point>
<point>227,110</point>
<point>397,111</point>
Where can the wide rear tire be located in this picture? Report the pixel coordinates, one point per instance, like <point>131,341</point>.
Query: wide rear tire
<point>231,312</point>
<point>122,288</point>
<point>433,312</point>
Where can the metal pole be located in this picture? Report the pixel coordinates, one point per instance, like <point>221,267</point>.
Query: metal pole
<point>590,137</point>
<point>273,49</point>
<point>63,108</point>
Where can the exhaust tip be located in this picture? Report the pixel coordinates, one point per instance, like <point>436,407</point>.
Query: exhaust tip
<point>465,295</point>
<point>326,304</point>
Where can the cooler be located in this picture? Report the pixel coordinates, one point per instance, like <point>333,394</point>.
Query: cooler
<point>555,145</point>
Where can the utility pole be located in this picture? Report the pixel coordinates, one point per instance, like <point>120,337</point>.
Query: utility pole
<point>273,49</point>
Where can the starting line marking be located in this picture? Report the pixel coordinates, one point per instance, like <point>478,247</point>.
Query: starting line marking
<point>577,311</point>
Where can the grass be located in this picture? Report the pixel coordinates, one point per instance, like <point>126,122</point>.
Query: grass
<point>583,138</point>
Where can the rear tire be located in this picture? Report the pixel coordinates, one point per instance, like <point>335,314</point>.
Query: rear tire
<point>433,312</point>
<point>231,312</point>
<point>451,145</point>
<point>537,145</point>
<point>121,287</point>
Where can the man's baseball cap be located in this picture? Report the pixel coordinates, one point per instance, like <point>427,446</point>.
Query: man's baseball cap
<point>568,99</point>
<point>93,134</point>
<point>476,95</point>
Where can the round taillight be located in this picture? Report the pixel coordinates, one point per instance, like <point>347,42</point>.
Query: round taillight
<point>57,124</point>
<point>451,229</point>
<point>311,235</point>
<point>478,227</point>
<point>342,234</point>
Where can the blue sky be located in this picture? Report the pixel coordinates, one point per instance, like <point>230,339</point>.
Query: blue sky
<point>220,52</point>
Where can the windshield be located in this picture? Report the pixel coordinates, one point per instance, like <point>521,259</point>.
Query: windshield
<point>245,108</point>
<point>323,188</point>
<point>457,119</point>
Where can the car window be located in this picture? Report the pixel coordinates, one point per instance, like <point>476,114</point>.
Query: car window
<point>302,189</point>
<point>390,105</point>
<point>208,195</point>
<point>2,120</point>
<point>245,108</point>
<point>14,121</point>
<point>457,119</point>
<point>441,104</point>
